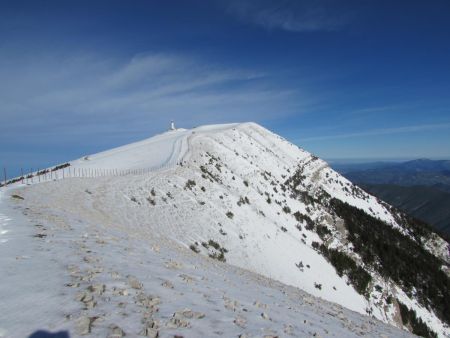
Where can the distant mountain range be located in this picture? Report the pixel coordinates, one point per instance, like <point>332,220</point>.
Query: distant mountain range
<point>420,187</point>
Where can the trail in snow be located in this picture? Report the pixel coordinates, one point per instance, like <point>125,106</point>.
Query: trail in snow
<point>160,151</point>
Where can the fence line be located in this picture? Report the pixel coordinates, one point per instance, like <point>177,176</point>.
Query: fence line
<point>67,171</point>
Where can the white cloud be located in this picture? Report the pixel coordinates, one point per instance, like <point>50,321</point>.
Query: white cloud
<point>381,131</point>
<point>48,96</point>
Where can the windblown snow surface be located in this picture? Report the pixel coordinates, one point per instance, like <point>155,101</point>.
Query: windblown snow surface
<point>120,255</point>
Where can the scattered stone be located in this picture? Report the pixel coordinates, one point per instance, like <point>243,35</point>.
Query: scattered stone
<point>72,285</point>
<point>175,323</point>
<point>83,325</point>
<point>120,292</point>
<point>260,305</point>
<point>148,301</point>
<point>240,321</point>
<point>84,297</point>
<point>167,284</point>
<point>188,313</point>
<point>173,265</point>
<point>288,329</point>
<point>265,316</point>
<point>87,299</point>
<point>149,330</point>
<point>97,289</point>
<point>230,304</point>
<point>186,278</point>
<point>341,316</point>
<point>116,332</point>
<point>115,275</point>
<point>134,283</point>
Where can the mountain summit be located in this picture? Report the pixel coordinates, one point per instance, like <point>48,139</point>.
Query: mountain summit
<point>239,194</point>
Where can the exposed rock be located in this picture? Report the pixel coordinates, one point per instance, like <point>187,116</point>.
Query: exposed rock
<point>175,323</point>
<point>83,326</point>
<point>230,304</point>
<point>97,289</point>
<point>265,316</point>
<point>150,332</point>
<point>240,321</point>
<point>84,297</point>
<point>116,332</point>
<point>167,284</point>
<point>186,278</point>
<point>120,292</point>
<point>174,265</point>
<point>288,329</point>
<point>188,313</point>
<point>134,283</point>
<point>260,305</point>
<point>148,301</point>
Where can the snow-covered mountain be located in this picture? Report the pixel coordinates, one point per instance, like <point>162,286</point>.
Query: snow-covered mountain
<point>245,196</point>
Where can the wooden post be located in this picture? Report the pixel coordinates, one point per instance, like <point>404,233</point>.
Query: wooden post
<point>4,174</point>
<point>21,174</point>
<point>31,173</point>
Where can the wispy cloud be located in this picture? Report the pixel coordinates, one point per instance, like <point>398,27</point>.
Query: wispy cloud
<point>381,131</point>
<point>295,16</point>
<point>44,96</point>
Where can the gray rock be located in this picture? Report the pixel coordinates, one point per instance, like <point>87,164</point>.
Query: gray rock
<point>167,284</point>
<point>116,332</point>
<point>150,332</point>
<point>240,321</point>
<point>265,316</point>
<point>83,325</point>
<point>188,313</point>
<point>134,283</point>
<point>97,289</point>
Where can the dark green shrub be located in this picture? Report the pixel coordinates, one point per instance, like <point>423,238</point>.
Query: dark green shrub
<point>398,257</point>
<point>419,328</point>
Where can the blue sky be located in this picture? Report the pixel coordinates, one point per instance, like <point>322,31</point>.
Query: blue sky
<point>343,79</point>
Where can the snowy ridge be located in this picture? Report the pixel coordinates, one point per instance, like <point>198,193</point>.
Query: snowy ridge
<point>239,193</point>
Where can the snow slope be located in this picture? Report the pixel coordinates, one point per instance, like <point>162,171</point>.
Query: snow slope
<point>87,277</point>
<point>228,191</point>
<point>160,151</point>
